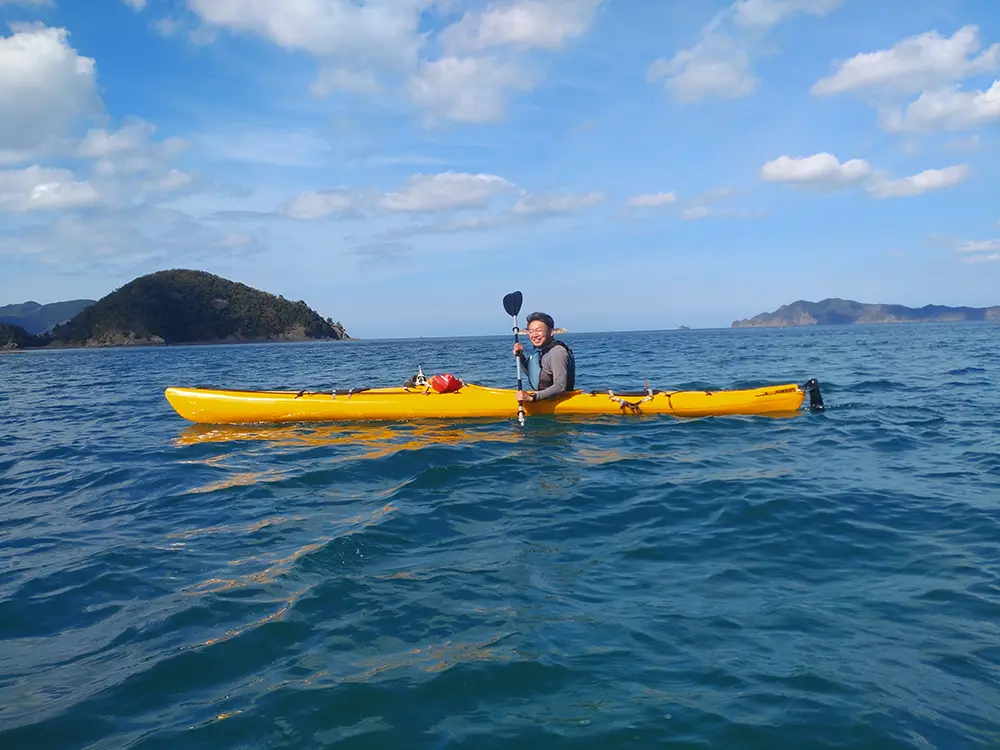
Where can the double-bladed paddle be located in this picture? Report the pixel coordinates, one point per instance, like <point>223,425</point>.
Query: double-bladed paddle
<point>512,304</point>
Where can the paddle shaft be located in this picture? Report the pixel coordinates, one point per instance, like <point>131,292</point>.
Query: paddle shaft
<point>517,358</point>
<point>512,304</point>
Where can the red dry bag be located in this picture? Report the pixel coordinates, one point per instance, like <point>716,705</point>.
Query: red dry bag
<point>445,383</point>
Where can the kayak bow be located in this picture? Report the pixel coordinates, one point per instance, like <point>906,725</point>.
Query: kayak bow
<point>223,406</point>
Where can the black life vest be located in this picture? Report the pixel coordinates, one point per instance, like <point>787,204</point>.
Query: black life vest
<point>539,379</point>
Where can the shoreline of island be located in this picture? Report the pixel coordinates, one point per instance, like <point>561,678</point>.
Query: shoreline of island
<point>125,320</point>
<point>176,307</point>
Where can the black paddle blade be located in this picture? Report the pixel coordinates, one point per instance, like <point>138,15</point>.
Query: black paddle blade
<point>512,303</point>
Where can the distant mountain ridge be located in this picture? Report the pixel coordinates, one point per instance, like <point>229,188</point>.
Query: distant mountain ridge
<point>181,306</point>
<point>37,318</point>
<point>836,311</point>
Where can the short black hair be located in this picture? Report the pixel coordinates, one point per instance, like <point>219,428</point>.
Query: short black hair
<point>545,318</point>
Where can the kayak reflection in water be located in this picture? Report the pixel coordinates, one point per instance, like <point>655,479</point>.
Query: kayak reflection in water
<point>551,368</point>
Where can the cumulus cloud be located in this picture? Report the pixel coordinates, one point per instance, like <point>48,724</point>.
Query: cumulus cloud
<point>720,64</point>
<point>382,33</point>
<point>946,109</point>
<point>131,149</point>
<point>43,189</point>
<point>927,181</point>
<point>368,48</point>
<point>932,65</point>
<point>767,13</point>
<point>542,24</point>
<point>652,200</point>
<point>104,210</point>
<point>978,246</point>
<point>550,203</point>
<point>916,63</point>
<point>704,206</point>
<point>174,179</point>
<point>115,239</point>
<point>701,206</point>
<point>696,212</point>
<point>529,207</point>
<point>46,89</point>
<point>467,89</point>
<point>320,204</point>
<point>822,171</point>
<point>979,251</point>
<point>717,66</point>
<point>447,191</point>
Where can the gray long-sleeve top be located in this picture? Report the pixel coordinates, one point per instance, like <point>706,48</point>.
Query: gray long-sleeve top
<point>556,364</point>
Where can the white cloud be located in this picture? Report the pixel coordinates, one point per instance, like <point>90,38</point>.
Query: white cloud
<point>172,180</point>
<point>720,64</point>
<point>927,181</point>
<point>42,189</point>
<point>319,205</point>
<point>824,172</point>
<point>652,200</point>
<point>544,24</point>
<point>447,191</point>
<point>467,89</point>
<point>40,3</point>
<point>368,48</point>
<point>112,240</point>
<point>991,258</point>
<point>946,109</point>
<point>135,5</point>
<point>978,246</point>
<point>916,63</point>
<point>46,87</point>
<point>129,150</point>
<point>128,166</point>
<point>697,207</point>
<point>695,212</point>
<point>767,13</point>
<point>820,171</point>
<point>101,144</point>
<point>381,32</point>
<point>233,240</point>
<point>537,204</point>
<point>714,67</point>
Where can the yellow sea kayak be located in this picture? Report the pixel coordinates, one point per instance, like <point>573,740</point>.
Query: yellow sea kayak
<point>214,406</point>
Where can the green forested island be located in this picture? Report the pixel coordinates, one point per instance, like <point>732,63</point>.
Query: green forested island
<point>180,306</point>
<point>835,311</point>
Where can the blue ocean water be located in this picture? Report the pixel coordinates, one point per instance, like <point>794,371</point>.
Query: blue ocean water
<point>830,580</point>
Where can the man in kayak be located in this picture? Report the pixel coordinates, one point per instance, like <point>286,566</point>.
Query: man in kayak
<point>551,368</point>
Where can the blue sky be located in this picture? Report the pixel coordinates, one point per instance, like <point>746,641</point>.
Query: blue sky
<point>402,164</point>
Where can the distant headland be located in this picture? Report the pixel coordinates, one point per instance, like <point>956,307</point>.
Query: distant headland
<point>177,306</point>
<point>35,318</point>
<point>836,311</point>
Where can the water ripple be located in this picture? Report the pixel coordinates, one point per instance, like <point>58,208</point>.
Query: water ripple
<point>826,581</point>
